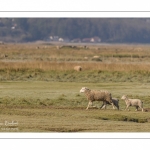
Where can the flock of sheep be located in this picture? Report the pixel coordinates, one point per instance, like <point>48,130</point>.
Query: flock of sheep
<point>106,98</point>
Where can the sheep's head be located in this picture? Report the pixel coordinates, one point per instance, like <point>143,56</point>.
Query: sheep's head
<point>83,89</point>
<point>124,97</point>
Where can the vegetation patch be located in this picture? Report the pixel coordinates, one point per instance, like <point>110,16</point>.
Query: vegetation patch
<point>71,76</point>
<point>64,129</point>
<point>118,117</point>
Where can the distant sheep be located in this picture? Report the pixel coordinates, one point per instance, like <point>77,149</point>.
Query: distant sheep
<point>132,102</point>
<point>115,102</point>
<point>95,95</point>
<point>96,58</point>
<point>1,42</point>
<point>78,68</point>
<point>85,58</point>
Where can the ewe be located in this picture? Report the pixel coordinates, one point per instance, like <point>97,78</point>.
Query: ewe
<point>95,95</point>
<point>132,102</point>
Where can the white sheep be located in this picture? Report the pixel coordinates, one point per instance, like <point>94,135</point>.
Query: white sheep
<point>96,95</point>
<point>132,102</point>
<point>115,102</point>
<point>96,57</point>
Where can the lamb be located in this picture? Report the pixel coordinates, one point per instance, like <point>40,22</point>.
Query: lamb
<point>95,95</point>
<point>115,102</point>
<point>132,102</point>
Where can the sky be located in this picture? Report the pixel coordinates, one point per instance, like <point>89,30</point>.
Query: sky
<point>74,8</point>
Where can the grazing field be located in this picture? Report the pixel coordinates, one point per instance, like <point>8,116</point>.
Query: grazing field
<point>39,89</point>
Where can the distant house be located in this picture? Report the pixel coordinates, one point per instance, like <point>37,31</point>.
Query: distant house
<point>60,39</point>
<point>63,39</point>
<point>51,38</point>
<point>54,38</point>
<point>14,26</point>
<point>78,40</point>
<point>86,40</point>
<point>94,39</point>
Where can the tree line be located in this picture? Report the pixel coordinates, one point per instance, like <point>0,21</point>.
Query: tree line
<point>112,30</point>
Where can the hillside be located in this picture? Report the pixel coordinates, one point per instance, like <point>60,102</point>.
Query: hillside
<point>114,30</point>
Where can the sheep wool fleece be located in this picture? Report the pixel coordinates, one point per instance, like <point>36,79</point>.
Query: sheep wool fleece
<point>95,95</point>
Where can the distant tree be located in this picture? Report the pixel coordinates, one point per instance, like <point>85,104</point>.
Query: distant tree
<point>22,23</point>
<point>121,30</point>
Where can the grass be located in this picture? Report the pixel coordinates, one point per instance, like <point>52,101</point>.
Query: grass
<point>59,107</point>
<point>65,66</point>
<point>47,52</point>
<point>73,76</point>
<point>76,120</point>
<point>44,62</point>
<point>40,90</point>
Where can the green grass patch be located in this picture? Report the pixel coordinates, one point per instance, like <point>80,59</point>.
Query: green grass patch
<point>73,76</point>
<point>59,107</point>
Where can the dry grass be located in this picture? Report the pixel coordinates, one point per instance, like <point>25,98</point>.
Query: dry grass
<point>28,50</point>
<point>48,57</point>
<point>62,66</point>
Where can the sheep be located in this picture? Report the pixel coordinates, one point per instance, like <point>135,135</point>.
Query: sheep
<point>115,102</point>
<point>86,58</point>
<point>78,68</point>
<point>95,95</point>
<point>1,42</point>
<point>132,102</point>
<point>96,57</point>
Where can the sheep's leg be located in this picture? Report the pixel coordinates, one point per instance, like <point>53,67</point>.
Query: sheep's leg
<point>105,104</point>
<point>93,105</point>
<point>113,105</point>
<point>136,108</point>
<point>118,107</point>
<point>88,106</point>
<point>127,108</point>
<point>102,106</point>
<point>141,108</point>
<point>90,103</point>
